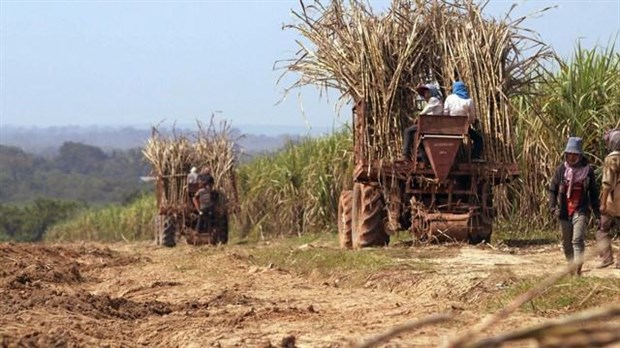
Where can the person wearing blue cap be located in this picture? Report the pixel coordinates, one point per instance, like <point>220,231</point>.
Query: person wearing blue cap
<point>573,193</point>
<point>434,106</point>
<point>459,103</point>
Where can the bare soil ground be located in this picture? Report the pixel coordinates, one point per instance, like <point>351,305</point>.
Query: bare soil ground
<point>57,295</point>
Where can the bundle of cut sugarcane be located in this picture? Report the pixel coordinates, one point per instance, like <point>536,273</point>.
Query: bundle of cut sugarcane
<point>214,149</point>
<point>380,58</point>
<point>171,158</point>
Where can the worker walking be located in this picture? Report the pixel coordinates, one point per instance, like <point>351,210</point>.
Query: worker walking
<point>572,194</point>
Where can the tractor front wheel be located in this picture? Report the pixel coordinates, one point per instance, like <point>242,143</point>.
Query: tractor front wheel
<point>169,232</point>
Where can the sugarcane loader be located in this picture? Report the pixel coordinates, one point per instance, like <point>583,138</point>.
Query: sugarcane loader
<point>449,197</point>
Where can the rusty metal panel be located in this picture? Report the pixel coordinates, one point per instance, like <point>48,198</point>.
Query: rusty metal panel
<point>442,227</point>
<point>441,152</point>
<point>448,125</point>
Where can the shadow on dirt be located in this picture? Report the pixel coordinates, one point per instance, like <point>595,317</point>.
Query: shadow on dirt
<point>525,243</point>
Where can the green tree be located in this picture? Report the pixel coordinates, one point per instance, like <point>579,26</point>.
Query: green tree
<point>29,223</point>
<point>80,158</point>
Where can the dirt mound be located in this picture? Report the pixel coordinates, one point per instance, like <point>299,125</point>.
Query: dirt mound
<point>139,295</point>
<point>95,306</point>
<point>32,276</point>
<point>31,263</point>
<point>56,337</point>
<point>27,264</point>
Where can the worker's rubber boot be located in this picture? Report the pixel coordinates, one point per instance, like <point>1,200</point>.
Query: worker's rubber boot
<point>578,270</point>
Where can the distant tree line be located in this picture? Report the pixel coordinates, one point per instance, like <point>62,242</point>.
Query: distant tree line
<point>78,173</point>
<point>36,192</point>
<point>30,222</point>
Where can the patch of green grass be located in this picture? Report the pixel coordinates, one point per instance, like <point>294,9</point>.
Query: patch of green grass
<point>311,238</point>
<point>514,232</point>
<point>327,262</point>
<point>568,295</point>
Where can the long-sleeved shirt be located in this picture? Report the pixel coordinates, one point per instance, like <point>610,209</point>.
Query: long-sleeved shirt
<point>433,107</point>
<point>589,198</point>
<point>456,106</point>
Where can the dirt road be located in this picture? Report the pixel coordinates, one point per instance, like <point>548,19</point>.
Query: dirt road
<point>143,295</point>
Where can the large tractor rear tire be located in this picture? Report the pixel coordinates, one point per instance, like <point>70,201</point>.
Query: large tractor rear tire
<point>221,233</point>
<point>345,206</point>
<point>368,217</point>
<point>169,232</point>
<point>484,222</point>
<point>220,229</point>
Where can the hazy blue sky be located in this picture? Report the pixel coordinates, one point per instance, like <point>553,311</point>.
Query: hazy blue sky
<point>141,62</point>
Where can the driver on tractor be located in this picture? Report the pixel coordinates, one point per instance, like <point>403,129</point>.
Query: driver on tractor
<point>204,201</point>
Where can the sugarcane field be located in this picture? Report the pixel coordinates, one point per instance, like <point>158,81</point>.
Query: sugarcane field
<point>469,202</point>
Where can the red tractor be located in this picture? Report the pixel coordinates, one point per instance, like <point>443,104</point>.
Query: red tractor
<point>178,217</point>
<point>449,197</point>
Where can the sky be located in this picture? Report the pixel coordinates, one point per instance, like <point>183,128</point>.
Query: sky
<point>142,63</point>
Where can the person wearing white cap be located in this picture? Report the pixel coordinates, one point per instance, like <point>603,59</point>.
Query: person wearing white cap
<point>192,182</point>
<point>434,106</point>
<point>192,177</point>
<point>572,195</point>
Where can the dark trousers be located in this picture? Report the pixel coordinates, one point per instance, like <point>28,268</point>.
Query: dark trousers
<point>603,238</point>
<point>206,221</point>
<point>476,138</point>
<point>408,141</point>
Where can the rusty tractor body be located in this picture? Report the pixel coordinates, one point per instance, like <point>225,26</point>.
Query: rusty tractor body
<point>179,218</point>
<point>449,197</point>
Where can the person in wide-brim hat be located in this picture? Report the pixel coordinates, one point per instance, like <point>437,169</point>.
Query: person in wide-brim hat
<point>434,106</point>
<point>573,195</point>
<point>574,146</point>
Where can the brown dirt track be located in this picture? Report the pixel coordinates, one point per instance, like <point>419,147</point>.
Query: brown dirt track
<point>59,295</point>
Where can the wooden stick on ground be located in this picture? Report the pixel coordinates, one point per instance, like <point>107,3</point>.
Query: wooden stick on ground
<point>564,330</point>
